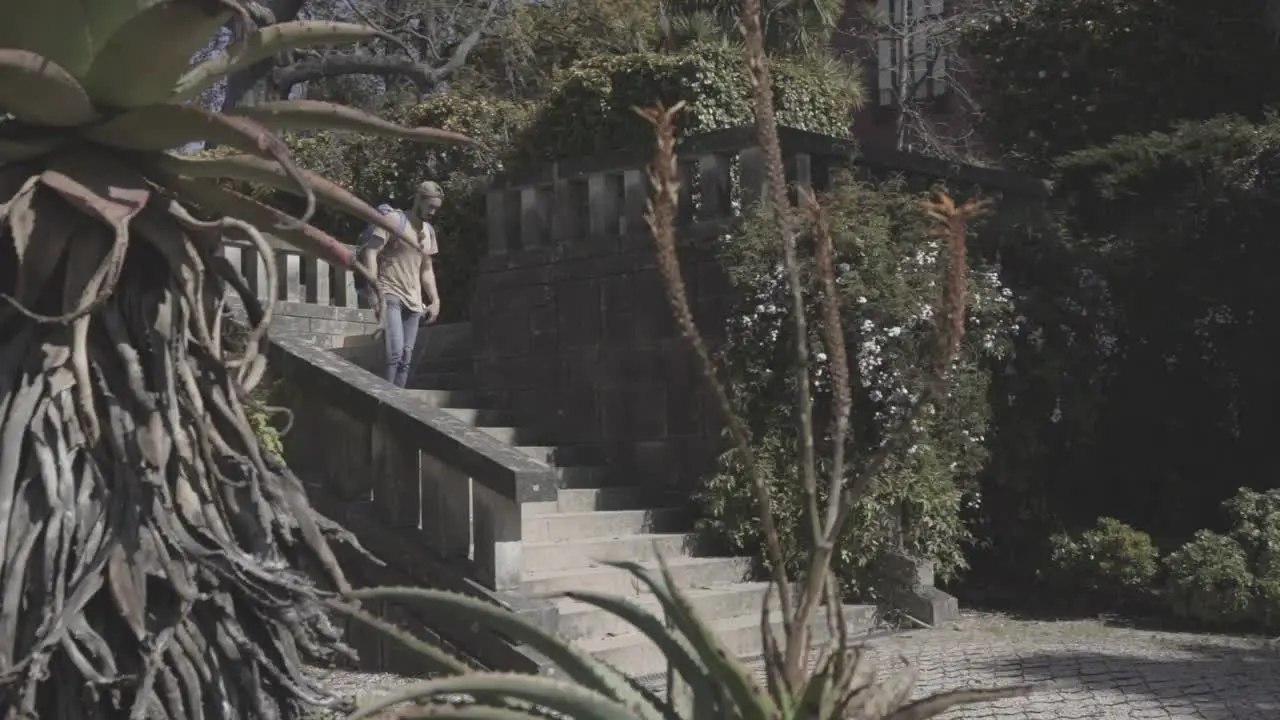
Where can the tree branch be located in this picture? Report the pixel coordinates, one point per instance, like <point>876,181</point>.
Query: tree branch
<point>422,75</point>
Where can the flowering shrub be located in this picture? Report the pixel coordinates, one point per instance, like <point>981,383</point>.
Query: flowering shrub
<point>888,269</point>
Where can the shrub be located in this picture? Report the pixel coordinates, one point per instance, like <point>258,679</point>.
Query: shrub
<point>887,274</point>
<point>1209,580</point>
<point>1255,524</point>
<point>589,108</point>
<point>1111,560</point>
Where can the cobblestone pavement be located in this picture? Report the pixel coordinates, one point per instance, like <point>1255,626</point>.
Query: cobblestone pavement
<point>1090,671</point>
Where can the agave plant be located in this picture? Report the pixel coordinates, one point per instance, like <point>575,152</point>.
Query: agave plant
<point>149,549</point>
<point>704,682</point>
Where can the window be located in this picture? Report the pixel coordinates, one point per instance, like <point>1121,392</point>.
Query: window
<point>908,49</point>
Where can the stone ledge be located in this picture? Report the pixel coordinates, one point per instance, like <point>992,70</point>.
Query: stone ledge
<point>413,564</point>
<point>495,465</point>
<point>931,605</point>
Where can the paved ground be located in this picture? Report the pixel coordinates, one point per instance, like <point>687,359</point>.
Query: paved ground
<point>1095,671</point>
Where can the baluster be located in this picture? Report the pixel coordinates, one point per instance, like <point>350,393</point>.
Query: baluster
<point>289,268</point>
<point>604,195</point>
<point>317,281</point>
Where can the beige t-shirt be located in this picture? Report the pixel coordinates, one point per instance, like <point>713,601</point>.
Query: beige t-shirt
<point>399,266</point>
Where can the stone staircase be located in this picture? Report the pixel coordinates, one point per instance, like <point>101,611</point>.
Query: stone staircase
<point>594,521</point>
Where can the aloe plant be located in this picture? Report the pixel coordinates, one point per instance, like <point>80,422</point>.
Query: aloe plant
<point>148,545</point>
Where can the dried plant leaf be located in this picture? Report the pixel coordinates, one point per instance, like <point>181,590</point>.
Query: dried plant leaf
<point>317,115</point>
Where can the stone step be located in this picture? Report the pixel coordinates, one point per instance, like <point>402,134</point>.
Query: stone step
<point>481,417</point>
<point>579,500</point>
<point>448,340</point>
<point>444,380</point>
<point>606,498</point>
<point>443,398</point>
<point>599,524</point>
<point>565,455</point>
<point>636,655</point>
<point>688,571</point>
<point>549,556</point>
<point>514,435</point>
<point>446,364</point>
<point>580,621</point>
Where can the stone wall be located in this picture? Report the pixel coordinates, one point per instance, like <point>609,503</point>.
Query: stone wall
<point>584,345</point>
<point>571,323</point>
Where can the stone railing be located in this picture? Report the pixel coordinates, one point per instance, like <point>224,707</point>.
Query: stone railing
<point>435,499</point>
<point>601,198</point>
<point>299,277</point>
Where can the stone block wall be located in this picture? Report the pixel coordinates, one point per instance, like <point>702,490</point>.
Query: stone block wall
<point>584,344</point>
<point>571,324</point>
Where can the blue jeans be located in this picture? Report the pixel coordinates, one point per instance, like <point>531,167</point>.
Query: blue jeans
<point>400,332</point>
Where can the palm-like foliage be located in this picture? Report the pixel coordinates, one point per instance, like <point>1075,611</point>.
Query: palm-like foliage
<point>148,546</point>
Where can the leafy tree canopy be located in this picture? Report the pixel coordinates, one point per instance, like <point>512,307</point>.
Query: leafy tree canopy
<point>1062,75</point>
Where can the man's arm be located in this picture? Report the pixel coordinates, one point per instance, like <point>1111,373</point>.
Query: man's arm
<point>429,288</point>
<point>371,251</point>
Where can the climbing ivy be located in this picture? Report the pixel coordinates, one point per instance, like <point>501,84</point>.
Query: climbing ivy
<point>589,108</point>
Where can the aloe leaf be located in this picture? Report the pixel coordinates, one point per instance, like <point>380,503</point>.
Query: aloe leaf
<point>216,199</point>
<point>935,705</point>
<point>17,148</point>
<point>440,661</point>
<point>38,91</point>
<point>59,30</point>
<point>101,188</point>
<point>673,647</point>
<point>264,172</point>
<point>317,115</point>
<point>263,44</point>
<point>162,127</point>
<point>752,703</point>
<point>467,712</point>
<point>585,670</point>
<point>573,700</point>
<point>167,127</point>
<point>146,55</point>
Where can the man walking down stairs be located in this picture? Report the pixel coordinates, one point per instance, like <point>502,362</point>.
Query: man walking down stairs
<point>594,521</point>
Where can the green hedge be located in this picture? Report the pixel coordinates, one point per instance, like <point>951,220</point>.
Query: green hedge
<point>589,108</point>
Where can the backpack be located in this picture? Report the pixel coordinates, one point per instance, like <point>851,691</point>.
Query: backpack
<point>366,237</point>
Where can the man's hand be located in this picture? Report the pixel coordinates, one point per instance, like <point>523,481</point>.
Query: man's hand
<point>433,311</point>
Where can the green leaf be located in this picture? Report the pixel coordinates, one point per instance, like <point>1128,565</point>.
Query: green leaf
<point>167,127</point>
<point>575,701</point>
<point>162,127</point>
<point>59,30</point>
<point>317,115</point>
<point>37,91</point>
<point>263,44</point>
<point>673,647</point>
<point>752,703</point>
<point>147,54</point>
<point>265,172</point>
<point>585,670</point>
